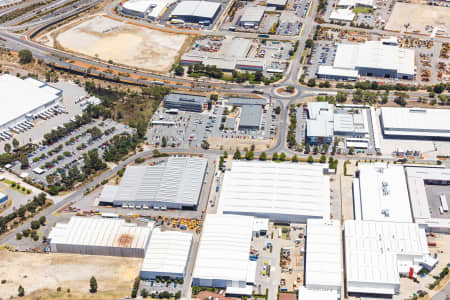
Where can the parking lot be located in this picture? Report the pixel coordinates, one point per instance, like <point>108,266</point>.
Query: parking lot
<point>68,151</point>
<point>322,54</point>
<point>190,129</point>
<point>300,132</point>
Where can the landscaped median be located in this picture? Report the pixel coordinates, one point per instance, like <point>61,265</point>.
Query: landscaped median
<point>16,186</point>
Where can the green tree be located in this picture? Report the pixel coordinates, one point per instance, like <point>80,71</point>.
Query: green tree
<point>144,293</point>
<point>290,89</point>
<point>24,163</point>
<point>42,220</point>
<point>225,154</point>
<point>93,285</point>
<point>275,156</point>
<point>323,159</point>
<point>311,82</point>
<point>351,150</point>
<point>25,56</point>
<point>164,141</point>
<point>283,156</point>
<point>7,147</point>
<point>237,154</point>
<point>307,148</point>
<point>263,156</point>
<point>341,97</point>
<point>310,159</point>
<point>249,155</point>
<point>35,224</point>
<point>294,158</point>
<point>21,291</point>
<point>179,70</point>
<point>15,143</point>
<point>277,110</point>
<point>309,43</point>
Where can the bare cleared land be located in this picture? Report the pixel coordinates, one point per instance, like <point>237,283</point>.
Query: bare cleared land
<point>123,43</point>
<point>42,274</point>
<point>418,17</point>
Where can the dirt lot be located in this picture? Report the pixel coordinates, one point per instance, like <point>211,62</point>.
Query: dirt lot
<point>418,16</point>
<point>122,43</point>
<point>232,144</point>
<point>42,274</point>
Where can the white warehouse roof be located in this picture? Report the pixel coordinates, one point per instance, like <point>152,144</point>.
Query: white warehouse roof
<point>416,122</point>
<point>21,97</point>
<point>140,6</point>
<point>375,55</point>
<point>167,254</point>
<point>313,294</point>
<point>223,253</point>
<point>338,72</point>
<point>204,9</point>
<point>99,236</point>
<point>383,193</point>
<point>252,14</point>
<point>176,184</point>
<point>376,252</point>
<point>342,15</point>
<point>417,177</point>
<point>323,268</point>
<point>286,192</point>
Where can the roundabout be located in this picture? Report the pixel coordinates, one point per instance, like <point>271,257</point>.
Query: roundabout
<point>286,91</point>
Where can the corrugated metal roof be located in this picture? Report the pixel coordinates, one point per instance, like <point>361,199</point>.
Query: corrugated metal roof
<point>246,101</point>
<point>374,55</point>
<point>108,193</point>
<point>178,181</point>
<point>252,14</point>
<point>204,9</point>
<point>323,268</point>
<point>224,248</point>
<point>167,252</point>
<point>278,191</point>
<point>416,121</point>
<point>102,232</point>
<point>250,116</point>
<point>312,294</point>
<point>375,252</point>
<point>173,97</point>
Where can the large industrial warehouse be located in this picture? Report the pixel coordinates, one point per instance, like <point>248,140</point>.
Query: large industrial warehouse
<point>323,266</point>
<point>282,192</point>
<point>423,212</point>
<point>418,123</point>
<point>100,236</point>
<point>372,58</point>
<point>167,254</point>
<point>381,194</point>
<point>376,253</point>
<point>30,97</point>
<point>151,9</point>
<point>196,11</point>
<point>223,253</point>
<point>176,184</point>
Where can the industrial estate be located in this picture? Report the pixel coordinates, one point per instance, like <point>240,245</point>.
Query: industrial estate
<point>225,149</point>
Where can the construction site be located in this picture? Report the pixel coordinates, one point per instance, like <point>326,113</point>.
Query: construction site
<point>421,19</point>
<point>120,43</point>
